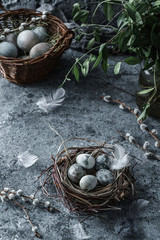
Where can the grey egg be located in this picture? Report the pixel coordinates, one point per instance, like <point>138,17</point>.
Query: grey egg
<point>41,32</point>
<point>104,176</point>
<point>39,49</point>
<point>75,172</point>
<point>12,37</point>
<point>88,182</point>
<point>102,162</point>
<point>26,40</point>
<point>86,160</point>
<point>8,49</point>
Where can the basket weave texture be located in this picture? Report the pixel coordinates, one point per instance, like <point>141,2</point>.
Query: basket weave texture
<point>21,71</point>
<point>102,197</point>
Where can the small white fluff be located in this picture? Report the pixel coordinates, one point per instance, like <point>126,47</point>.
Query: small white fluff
<point>21,28</point>
<point>131,139</point>
<point>32,196</point>
<point>35,202</point>
<point>119,159</point>
<point>156,144</point>
<point>136,111</point>
<point>13,191</point>
<point>7,30</point>
<point>154,131</point>
<point>107,98</point>
<point>19,192</point>
<point>34,229</point>
<point>128,135</point>
<point>45,13</point>
<point>145,145</point>
<point>2,37</point>
<point>51,102</point>
<point>11,196</point>
<point>33,19</point>
<point>44,17</point>
<point>147,155</point>
<point>121,106</point>
<point>4,193</point>
<point>26,159</point>
<point>143,127</point>
<point>24,24</point>
<point>47,204</point>
<point>6,189</point>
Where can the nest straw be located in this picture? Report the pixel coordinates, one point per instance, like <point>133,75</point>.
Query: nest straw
<point>79,201</point>
<point>22,71</point>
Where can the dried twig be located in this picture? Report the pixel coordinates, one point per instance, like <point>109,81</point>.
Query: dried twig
<point>133,112</point>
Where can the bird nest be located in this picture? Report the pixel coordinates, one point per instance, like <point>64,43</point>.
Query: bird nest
<point>78,200</point>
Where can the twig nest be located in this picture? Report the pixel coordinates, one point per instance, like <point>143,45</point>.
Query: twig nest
<point>26,40</point>
<point>75,173</point>
<point>41,32</point>
<point>8,49</point>
<point>88,182</point>
<point>39,49</point>
<point>102,162</point>
<point>104,177</point>
<point>86,160</point>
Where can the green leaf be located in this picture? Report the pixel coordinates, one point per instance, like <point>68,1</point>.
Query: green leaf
<point>104,65</point>
<point>108,11</point>
<point>131,11</point>
<point>90,43</point>
<point>105,52</point>
<point>117,67</point>
<point>85,67</point>
<point>145,112</point>
<point>153,36</point>
<point>101,47</point>
<point>120,20</point>
<point>76,8</point>
<point>98,60</point>
<point>92,58</point>
<point>81,15</point>
<point>76,72</point>
<point>132,60</point>
<point>146,91</point>
<point>131,40</point>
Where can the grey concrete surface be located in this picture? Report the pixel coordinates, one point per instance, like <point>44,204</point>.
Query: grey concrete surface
<point>24,127</point>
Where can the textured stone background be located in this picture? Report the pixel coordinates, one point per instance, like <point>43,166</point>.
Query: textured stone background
<point>24,127</point>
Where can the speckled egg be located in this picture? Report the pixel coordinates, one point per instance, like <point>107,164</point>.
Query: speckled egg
<point>12,37</point>
<point>104,176</point>
<point>41,32</point>
<point>86,160</point>
<point>102,162</point>
<point>88,182</point>
<point>39,49</point>
<point>75,173</point>
<point>26,40</point>
<point>8,49</point>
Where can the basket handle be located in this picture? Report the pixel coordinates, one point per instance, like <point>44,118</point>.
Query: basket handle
<point>2,7</point>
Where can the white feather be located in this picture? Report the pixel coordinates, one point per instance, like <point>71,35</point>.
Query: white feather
<point>50,102</point>
<point>139,204</point>
<point>119,159</point>
<point>78,231</point>
<point>26,159</point>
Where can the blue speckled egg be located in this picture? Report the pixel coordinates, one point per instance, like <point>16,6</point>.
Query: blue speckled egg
<point>104,176</point>
<point>8,49</point>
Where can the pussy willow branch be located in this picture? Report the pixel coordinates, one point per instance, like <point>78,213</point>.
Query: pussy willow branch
<point>140,147</point>
<point>136,115</point>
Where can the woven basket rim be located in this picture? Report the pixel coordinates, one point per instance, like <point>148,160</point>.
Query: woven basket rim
<point>67,35</point>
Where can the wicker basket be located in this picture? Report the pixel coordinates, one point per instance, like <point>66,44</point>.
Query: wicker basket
<point>37,69</point>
